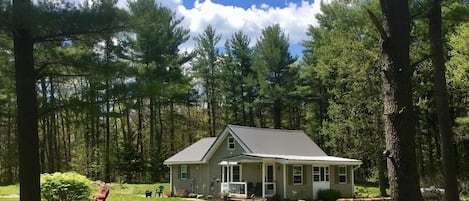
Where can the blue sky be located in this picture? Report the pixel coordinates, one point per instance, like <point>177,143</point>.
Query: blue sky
<point>250,16</point>
<point>248,3</point>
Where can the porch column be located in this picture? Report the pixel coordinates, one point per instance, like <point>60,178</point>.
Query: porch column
<point>170,178</point>
<point>263,179</point>
<point>284,181</point>
<point>223,174</point>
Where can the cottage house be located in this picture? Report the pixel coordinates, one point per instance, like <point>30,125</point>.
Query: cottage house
<point>245,161</point>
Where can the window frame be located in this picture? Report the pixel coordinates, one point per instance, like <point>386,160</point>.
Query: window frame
<point>231,142</point>
<point>322,173</point>
<point>230,168</point>
<point>184,170</point>
<point>295,174</point>
<point>342,174</point>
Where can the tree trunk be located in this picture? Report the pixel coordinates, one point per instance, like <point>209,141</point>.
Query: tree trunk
<point>441,98</point>
<point>152,147</point>
<point>28,142</point>
<point>399,121</point>
<point>107,165</point>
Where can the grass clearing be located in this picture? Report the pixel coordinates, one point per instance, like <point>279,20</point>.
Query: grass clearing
<point>118,192</point>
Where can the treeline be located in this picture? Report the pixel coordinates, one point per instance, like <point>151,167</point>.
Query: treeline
<point>113,105</point>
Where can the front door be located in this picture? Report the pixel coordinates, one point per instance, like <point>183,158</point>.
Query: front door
<point>270,181</point>
<point>320,179</point>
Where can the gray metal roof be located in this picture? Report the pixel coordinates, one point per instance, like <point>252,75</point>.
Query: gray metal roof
<point>192,154</point>
<point>276,141</point>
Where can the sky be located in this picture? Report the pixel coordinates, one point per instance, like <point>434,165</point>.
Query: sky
<point>250,16</point>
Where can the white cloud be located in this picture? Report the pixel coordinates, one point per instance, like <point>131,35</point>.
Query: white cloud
<point>294,19</point>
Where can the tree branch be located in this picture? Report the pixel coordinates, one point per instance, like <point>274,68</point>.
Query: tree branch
<point>377,24</point>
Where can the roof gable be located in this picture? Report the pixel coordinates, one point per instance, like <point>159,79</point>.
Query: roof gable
<point>276,141</point>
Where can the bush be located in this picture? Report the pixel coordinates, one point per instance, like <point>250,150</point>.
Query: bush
<point>276,197</point>
<point>209,197</point>
<point>68,186</point>
<point>329,195</point>
<point>192,195</point>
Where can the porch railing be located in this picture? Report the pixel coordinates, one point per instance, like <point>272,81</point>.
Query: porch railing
<point>236,189</point>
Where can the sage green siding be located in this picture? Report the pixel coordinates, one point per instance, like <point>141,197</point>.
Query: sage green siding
<point>221,153</point>
<point>346,188</point>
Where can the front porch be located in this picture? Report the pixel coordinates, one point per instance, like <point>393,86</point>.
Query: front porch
<point>245,180</point>
<point>248,189</point>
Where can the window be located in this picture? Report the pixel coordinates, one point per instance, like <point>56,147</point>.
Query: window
<point>297,174</point>
<point>184,172</point>
<point>342,174</point>
<point>234,173</point>
<point>321,174</point>
<point>231,143</point>
<point>270,173</point>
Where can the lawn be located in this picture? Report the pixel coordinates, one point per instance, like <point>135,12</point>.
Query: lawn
<point>118,192</point>
<point>135,192</point>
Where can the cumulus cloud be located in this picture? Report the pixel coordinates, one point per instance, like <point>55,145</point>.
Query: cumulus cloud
<point>294,19</point>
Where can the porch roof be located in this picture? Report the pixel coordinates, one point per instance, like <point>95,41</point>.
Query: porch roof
<point>289,159</point>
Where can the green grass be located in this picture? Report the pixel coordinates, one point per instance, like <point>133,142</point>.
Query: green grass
<point>372,190</point>
<point>118,192</point>
<point>368,190</point>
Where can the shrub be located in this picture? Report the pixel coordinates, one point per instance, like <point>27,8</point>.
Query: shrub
<point>192,195</point>
<point>209,197</point>
<point>329,195</point>
<point>276,197</point>
<point>68,186</point>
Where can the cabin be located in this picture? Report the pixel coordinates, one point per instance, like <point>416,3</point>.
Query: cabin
<point>245,162</point>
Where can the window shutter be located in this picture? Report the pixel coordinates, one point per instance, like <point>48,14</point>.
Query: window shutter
<point>349,174</point>
<point>303,167</point>
<point>179,171</point>
<point>290,174</point>
<point>188,172</point>
<point>336,172</point>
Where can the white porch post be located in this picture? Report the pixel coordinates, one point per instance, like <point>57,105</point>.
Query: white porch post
<point>263,179</point>
<point>223,174</point>
<point>284,181</point>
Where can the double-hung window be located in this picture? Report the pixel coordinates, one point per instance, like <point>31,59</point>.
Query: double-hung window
<point>297,174</point>
<point>231,143</point>
<point>342,173</point>
<point>232,173</point>
<point>184,172</point>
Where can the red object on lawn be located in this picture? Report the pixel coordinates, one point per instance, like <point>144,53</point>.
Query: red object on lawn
<point>102,195</point>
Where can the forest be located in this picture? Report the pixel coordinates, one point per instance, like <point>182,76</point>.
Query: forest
<point>116,96</point>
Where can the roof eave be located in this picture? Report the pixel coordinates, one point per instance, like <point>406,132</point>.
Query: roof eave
<point>183,162</point>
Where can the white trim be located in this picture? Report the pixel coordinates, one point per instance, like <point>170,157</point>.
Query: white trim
<point>284,181</point>
<point>326,172</point>
<point>220,140</point>
<point>342,174</point>
<point>187,172</point>
<point>301,174</point>
<point>273,172</point>
<point>263,179</point>
<point>230,143</point>
<point>170,178</point>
